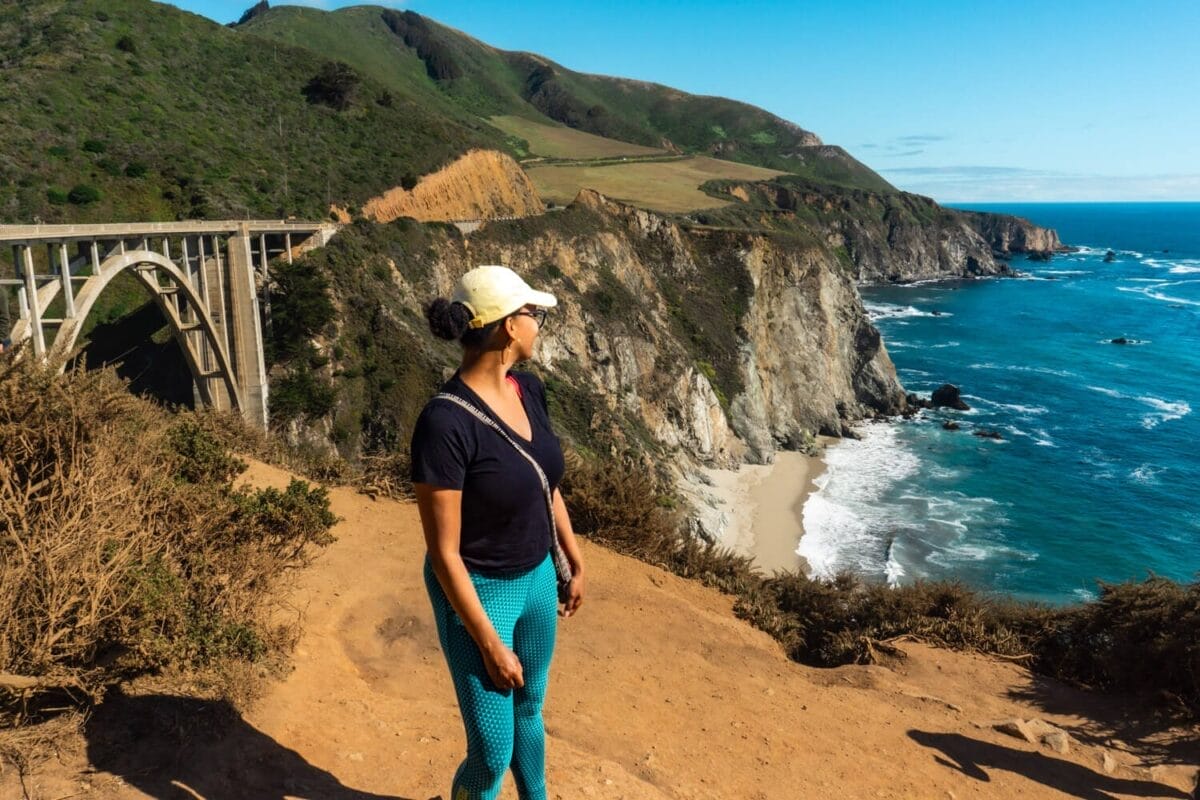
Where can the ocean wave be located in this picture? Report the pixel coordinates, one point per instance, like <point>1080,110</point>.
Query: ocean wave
<point>1165,298</point>
<point>1017,407</point>
<point>863,518</point>
<point>1084,595</point>
<point>1164,410</point>
<point>1167,410</point>
<point>876,311</point>
<point>1146,474</point>
<point>1062,373</point>
<point>1066,272</point>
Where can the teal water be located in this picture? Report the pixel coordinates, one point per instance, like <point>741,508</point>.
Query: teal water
<point>1096,477</point>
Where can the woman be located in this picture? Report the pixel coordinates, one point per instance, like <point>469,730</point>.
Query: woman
<point>488,530</point>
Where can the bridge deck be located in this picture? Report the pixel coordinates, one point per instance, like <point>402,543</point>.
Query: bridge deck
<point>116,230</point>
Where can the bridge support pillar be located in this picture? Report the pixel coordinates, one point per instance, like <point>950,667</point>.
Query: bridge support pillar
<point>244,330</point>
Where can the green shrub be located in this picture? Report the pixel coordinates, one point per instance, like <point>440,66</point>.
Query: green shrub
<point>301,393</point>
<point>126,44</point>
<point>56,197</point>
<point>135,169</point>
<point>58,151</point>
<point>82,194</point>
<point>94,146</point>
<point>334,86</point>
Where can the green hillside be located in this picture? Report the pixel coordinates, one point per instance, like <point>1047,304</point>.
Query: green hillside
<point>130,109</point>
<point>423,58</point>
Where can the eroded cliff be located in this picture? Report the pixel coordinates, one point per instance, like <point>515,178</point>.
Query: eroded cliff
<point>483,184</point>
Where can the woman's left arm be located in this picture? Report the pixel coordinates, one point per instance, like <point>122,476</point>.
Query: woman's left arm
<point>566,537</point>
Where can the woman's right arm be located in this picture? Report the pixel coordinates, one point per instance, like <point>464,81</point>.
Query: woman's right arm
<point>441,518</point>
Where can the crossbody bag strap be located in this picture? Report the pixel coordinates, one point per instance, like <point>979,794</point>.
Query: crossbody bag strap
<point>562,566</point>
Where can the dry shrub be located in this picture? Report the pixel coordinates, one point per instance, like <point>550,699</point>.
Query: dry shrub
<point>1135,637</point>
<point>123,546</point>
<point>623,505</point>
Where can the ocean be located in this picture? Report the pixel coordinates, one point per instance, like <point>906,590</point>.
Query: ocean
<point>1096,476</point>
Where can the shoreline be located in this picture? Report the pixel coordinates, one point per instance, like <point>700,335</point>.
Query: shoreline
<point>762,507</point>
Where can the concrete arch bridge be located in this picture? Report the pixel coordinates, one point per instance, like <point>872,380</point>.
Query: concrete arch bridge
<point>205,276</point>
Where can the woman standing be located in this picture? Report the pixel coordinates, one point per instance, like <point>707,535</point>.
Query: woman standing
<point>491,519</point>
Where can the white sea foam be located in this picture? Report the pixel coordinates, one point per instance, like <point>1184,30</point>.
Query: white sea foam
<point>1150,293</point>
<point>844,518</point>
<point>1164,410</point>
<point>1084,595</point>
<point>1146,474</point>
<point>878,311</point>
<point>856,520</point>
<point>1062,373</point>
<point>1066,272</point>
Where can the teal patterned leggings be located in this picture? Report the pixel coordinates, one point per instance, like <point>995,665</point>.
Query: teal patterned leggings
<point>504,727</point>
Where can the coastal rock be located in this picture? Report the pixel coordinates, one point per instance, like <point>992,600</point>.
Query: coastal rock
<point>950,425</point>
<point>948,396</point>
<point>1008,235</point>
<point>984,433</point>
<point>1120,340</point>
<point>1110,257</point>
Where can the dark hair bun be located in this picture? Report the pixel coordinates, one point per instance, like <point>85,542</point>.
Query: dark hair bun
<point>447,320</point>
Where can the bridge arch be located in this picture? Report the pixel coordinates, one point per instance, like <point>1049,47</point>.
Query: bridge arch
<point>144,264</point>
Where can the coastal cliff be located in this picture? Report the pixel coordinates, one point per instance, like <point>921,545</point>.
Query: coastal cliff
<point>708,347</point>
<point>892,237</point>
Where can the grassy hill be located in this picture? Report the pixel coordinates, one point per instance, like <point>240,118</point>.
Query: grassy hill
<point>130,109</point>
<point>422,56</point>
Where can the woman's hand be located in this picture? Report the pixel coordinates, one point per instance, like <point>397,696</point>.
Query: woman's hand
<point>574,595</point>
<point>503,666</point>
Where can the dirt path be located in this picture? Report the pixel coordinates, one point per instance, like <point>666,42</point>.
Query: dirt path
<point>657,691</point>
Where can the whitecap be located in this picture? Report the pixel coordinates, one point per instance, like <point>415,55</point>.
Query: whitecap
<point>878,311</point>
<point>1167,410</point>
<point>1146,474</point>
<point>1084,595</point>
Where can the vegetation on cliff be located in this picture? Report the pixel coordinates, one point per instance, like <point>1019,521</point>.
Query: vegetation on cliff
<point>124,546</point>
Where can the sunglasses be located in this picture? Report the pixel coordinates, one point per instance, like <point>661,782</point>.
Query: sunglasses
<point>538,314</point>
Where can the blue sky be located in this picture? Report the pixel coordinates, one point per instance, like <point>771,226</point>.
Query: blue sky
<point>964,101</point>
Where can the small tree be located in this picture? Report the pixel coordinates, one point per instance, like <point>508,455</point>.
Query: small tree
<point>82,194</point>
<point>333,86</point>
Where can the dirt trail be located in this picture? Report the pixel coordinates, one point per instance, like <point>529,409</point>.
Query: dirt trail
<point>657,691</point>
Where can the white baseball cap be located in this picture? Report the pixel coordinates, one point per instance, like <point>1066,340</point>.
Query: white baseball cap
<point>493,292</point>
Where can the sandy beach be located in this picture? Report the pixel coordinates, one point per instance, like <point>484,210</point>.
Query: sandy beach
<point>762,507</point>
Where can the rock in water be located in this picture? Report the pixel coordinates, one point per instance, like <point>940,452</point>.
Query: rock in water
<point>947,395</point>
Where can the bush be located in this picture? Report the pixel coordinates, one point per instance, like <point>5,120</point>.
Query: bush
<point>94,146</point>
<point>334,85</point>
<point>123,546</point>
<point>56,197</point>
<point>135,169</point>
<point>83,194</point>
<point>301,393</point>
<point>126,44</point>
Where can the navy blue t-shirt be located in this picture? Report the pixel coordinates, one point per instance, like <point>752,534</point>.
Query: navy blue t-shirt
<point>505,527</point>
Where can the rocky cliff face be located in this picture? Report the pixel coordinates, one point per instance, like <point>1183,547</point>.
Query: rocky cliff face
<point>1008,235</point>
<point>897,237</point>
<point>483,184</point>
<point>694,347</point>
